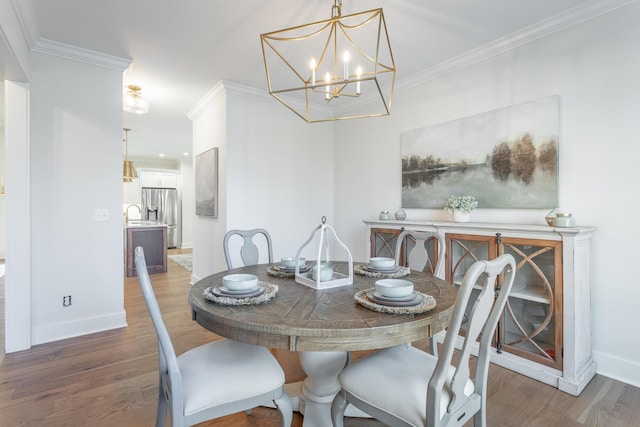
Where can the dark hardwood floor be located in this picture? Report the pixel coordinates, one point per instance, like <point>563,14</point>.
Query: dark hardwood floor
<point>110,378</point>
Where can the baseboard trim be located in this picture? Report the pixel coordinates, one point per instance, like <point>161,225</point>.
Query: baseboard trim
<point>627,371</point>
<point>78,327</point>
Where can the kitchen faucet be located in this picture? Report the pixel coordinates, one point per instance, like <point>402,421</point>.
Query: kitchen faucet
<point>126,212</point>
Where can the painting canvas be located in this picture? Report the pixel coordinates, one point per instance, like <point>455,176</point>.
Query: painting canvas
<point>506,158</point>
<point>207,183</point>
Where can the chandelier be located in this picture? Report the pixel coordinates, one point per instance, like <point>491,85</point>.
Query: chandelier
<point>128,170</point>
<point>134,102</point>
<point>336,69</point>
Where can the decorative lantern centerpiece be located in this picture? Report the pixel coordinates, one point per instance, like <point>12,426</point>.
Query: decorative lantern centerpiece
<point>322,274</point>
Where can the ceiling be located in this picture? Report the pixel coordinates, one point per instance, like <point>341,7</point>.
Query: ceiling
<point>181,49</point>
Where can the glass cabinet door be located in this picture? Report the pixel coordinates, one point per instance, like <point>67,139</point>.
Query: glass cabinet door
<point>462,251</point>
<point>383,242</point>
<point>531,322</point>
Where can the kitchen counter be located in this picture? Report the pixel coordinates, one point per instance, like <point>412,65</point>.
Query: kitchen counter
<point>143,223</point>
<point>152,236</point>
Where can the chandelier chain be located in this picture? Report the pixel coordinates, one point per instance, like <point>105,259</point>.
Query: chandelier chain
<point>336,9</point>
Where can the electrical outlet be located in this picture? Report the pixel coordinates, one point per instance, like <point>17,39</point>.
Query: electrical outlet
<point>66,300</point>
<point>101,215</point>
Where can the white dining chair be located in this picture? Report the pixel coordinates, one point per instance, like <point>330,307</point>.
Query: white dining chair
<point>249,252</point>
<point>418,258</point>
<point>215,379</point>
<point>405,386</point>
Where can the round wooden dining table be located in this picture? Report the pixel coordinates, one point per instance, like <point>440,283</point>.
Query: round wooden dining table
<point>322,325</point>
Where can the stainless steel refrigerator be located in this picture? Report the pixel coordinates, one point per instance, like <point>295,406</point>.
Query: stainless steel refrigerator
<point>161,204</point>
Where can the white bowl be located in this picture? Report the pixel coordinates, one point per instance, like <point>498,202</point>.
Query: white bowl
<point>240,282</point>
<point>326,272</point>
<point>394,288</point>
<point>381,262</point>
<point>290,262</point>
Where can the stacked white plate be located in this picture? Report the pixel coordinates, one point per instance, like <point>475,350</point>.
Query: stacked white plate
<point>288,265</point>
<point>381,265</point>
<point>238,286</point>
<point>394,292</point>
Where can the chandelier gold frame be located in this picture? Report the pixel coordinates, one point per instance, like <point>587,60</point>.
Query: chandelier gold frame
<point>350,56</point>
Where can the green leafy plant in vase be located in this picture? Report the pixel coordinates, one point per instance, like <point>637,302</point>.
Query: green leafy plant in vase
<point>460,207</point>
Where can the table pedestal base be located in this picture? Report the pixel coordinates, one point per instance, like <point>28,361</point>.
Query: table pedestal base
<point>313,396</point>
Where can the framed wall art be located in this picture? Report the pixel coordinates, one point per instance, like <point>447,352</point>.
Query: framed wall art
<point>506,158</point>
<point>207,183</point>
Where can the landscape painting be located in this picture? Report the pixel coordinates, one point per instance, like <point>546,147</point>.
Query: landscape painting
<point>506,158</point>
<point>207,183</point>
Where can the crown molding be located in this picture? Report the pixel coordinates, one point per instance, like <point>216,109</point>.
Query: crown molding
<point>27,20</point>
<point>29,28</point>
<point>559,22</point>
<point>260,95</point>
<point>215,93</point>
<point>226,87</point>
<point>79,54</point>
<point>248,92</point>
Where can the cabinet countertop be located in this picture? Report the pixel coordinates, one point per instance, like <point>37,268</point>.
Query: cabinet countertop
<point>481,226</point>
<point>138,224</point>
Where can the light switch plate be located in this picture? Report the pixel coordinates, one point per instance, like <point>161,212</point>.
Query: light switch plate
<point>101,215</point>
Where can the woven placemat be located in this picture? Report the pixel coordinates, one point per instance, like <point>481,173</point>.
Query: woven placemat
<point>270,291</point>
<point>428,303</point>
<point>275,271</point>
<point>359,269</point>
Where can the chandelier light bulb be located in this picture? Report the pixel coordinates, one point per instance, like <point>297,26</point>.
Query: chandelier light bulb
<point>346,64</point>
<point>312,64</point>
<point>327,78</point>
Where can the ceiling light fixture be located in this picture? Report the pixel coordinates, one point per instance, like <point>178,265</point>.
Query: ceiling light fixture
<point>134,102</point>
<point>336,69</point>
<point>128,170</point>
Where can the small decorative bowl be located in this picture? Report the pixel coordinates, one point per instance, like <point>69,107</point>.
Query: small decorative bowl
<point>290,262</point>
<point>381,262</point>
<point>240,282</point>
<point>394,288</point>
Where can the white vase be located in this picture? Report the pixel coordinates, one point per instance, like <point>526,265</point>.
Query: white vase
<point>461,216</point>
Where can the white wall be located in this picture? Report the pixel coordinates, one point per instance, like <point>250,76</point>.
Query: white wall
<point>76,118</point>
<point>187,181</point>
<point>17,308</point>
<point>282,174</point>
<point>594,69</point>
<point>210,130</point>
<point>14,48</point>
<point>2,150</point>
<point>275,172</point>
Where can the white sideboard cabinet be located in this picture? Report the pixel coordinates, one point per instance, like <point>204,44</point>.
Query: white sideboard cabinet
<point>544,331</point>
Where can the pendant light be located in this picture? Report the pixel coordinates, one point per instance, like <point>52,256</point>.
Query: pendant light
<point>336,69</point>
<point>128,170</point>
